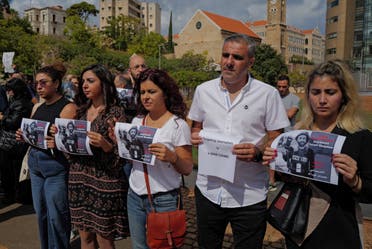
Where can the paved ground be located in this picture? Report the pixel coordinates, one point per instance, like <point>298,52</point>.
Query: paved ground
<point>18,228</point>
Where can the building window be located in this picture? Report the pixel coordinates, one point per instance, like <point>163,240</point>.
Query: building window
<point>331,51</point>
<point>332,35</point>
<point>64,19</point>
<point>43,18</point>
<point>333,4</point>
<point>306,41</point>
<point>54,18</point>
<point>54,31</point>
<point>120,8</point>
<point>37,30</point>
<point>37,18</point>
<point>150,25</point>
<point>150,16</point>
<point>332,19</point>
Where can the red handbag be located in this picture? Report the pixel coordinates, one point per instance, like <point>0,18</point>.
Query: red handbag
<point>164,230</point>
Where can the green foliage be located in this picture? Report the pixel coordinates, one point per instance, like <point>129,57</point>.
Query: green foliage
<point>77,31</point>
<point>83,10</point>
<point>16,35</point>
<point>297,79</point>
<point>268,64</point>
<point>186,78</point>
<point>170,44</point>
<point>123,31</point>
<point>148,45</point>
<point>296,59</point>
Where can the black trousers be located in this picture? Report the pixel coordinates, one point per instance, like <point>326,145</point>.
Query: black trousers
<point>248,224</point>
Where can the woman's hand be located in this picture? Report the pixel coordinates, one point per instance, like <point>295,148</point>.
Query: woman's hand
<point>268,155</point>
<point>98,140</point>
<point>162,153</point>
<point>347,167</point>
<point>53,130</point>
<point>19,135</point>
<point>51,144</point>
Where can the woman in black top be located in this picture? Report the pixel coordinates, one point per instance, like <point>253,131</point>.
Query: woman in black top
<point>331,105</point>
<point>49,168</point>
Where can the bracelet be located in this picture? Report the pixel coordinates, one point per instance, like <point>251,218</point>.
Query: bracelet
<point>356,184</point>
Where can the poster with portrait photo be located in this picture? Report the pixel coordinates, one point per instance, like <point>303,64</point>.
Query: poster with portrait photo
<point>34,132</point>
<point>71,136</point>
<point>307,154</point>
<point>134,140</point>
<point>126,96</point>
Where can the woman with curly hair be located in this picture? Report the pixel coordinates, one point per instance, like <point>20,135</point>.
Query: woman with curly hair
<point>161,107</point>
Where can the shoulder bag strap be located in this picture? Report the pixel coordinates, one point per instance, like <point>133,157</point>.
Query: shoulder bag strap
<point>146,174</point>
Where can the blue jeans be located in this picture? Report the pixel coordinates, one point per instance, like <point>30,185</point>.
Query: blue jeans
<point>50,199</point>
<point>138,208</point>
<point>248,224</point>
<point>127,168</point>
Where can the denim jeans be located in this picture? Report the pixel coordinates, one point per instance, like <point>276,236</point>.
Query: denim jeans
<point>138,208</point>
<point>50,199</point>
<point>248,223</point>
<point>128,165</point>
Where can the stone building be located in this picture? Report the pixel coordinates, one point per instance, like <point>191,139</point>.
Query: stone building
<point>48,20</point>
<point>205,32</point>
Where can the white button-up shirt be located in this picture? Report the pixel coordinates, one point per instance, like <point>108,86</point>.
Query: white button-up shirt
<point>257,109</point>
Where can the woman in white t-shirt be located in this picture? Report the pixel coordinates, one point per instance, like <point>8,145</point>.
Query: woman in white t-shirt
<point>161,107</point>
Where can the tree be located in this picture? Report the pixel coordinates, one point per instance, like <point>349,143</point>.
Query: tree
<point>147,45</point>
<point>77,31</point>
<point>268,64</point>
<point>4,8</point>
<point>298,79</point>
<point>124,30</point>
<point>16,35</point>
<point>83,10</point>
<point>170,44</point>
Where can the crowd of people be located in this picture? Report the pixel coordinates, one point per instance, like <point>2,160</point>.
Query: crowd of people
<point>104,197</point>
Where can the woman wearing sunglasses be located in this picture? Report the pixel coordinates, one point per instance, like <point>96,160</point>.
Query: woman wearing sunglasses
<point>49,168</point>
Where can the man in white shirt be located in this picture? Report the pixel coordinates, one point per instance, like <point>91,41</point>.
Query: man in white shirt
<point>236,105</point>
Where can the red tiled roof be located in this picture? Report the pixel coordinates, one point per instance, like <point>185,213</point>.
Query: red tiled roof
<point>256,23</point>
<point>308,31</point>
<point>229,24</point>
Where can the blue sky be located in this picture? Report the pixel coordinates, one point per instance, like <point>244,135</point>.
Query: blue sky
<point>303,14</point>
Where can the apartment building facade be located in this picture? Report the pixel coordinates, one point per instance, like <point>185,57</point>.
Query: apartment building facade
<point>349,37</point>
<point>149,14</point>
<point>48,20</point>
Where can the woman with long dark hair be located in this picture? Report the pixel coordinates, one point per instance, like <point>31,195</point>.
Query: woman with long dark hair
<point>97,185</point>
